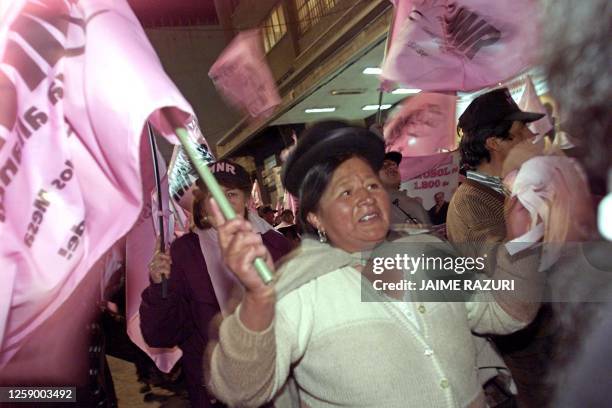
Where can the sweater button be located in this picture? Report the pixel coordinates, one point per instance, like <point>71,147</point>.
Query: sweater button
<point>444,383</point>
<point>421,309</point>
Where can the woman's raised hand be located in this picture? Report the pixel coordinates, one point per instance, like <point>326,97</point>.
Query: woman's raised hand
<point>240,245</point>
<point>160,264</point>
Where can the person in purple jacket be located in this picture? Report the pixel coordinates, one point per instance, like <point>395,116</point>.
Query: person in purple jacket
<point>199,284</point>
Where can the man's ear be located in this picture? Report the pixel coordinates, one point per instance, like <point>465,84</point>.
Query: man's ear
<point>313,219</point>
<point>492,143</point>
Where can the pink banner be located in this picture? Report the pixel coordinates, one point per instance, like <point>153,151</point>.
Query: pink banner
<point>243,77</point>
<point>76,93</point>
<point>256,200</point>
<point>461,45</point>
<point>530,102</point>
<point>442,177</point>
<point>424,125</point>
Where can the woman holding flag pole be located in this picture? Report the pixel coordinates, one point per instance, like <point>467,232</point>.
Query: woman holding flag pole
<point>198,284</point>
<point>313,324</point>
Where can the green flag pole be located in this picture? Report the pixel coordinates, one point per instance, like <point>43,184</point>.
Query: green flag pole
<point>215,189</point>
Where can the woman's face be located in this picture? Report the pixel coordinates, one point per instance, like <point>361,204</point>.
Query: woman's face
<point>354,208</point>
<point>236,197</point>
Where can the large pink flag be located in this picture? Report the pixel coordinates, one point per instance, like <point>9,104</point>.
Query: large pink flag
<point>78,80</point>
<point>463,45</point>
<point>530,102</point>
<point>243,77</point>
<point>423,126</point>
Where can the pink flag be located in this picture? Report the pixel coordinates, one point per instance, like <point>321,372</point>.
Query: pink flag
<point>424,125</point>
<point>243,77</point>
<point>256,200</point>
<point>530,102</point>
<point>139,248</point>
<point>400,14</point>
<point>461,45</point>
<point>289,202</point>
<point>279,206</point>
<point>181,220</point>
<point>78,80</point>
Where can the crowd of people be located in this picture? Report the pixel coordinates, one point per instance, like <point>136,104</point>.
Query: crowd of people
<point>320,337</point>
<point>331,330</point>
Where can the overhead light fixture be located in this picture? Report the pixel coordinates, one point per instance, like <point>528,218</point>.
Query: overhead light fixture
<point>375,107</point>
<point>320,110</point>
<point>405,91</point>
<point>357,91</point>
<point>372,71</point>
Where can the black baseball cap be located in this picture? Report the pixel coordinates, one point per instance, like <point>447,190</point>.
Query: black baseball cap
<point>394,157</point>
<point>493,107</point>
<point>326,140</point>
<point>229,174</point>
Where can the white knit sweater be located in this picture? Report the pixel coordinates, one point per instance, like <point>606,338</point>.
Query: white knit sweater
<point>344,352</point>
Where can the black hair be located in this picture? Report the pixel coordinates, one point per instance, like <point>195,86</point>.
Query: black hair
<point>311,190</point>
<point>473,147</point>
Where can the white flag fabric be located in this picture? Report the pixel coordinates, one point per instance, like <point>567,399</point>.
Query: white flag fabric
<point>530,102</point>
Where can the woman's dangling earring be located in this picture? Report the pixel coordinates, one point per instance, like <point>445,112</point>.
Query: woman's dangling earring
<point>322,236</point>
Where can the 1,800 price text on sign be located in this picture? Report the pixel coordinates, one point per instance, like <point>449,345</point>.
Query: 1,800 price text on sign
<point>37,394</point>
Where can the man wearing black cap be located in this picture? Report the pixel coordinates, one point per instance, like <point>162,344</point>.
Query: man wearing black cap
<point>404,209</point>
<point>490,128</point>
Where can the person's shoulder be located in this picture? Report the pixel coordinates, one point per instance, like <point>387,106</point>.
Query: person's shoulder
<point>272,236</point>
<point>420,238</point>
<point>185,243</point>
<point>469,194</point>
<point>464,189</point>
<point>277,243</point>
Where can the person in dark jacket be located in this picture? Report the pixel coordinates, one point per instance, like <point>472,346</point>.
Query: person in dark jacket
<point>437,213</point>
<point>199,285</point>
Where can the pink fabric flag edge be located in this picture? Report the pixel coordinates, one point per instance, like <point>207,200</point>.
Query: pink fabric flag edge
<point>163,95</point>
